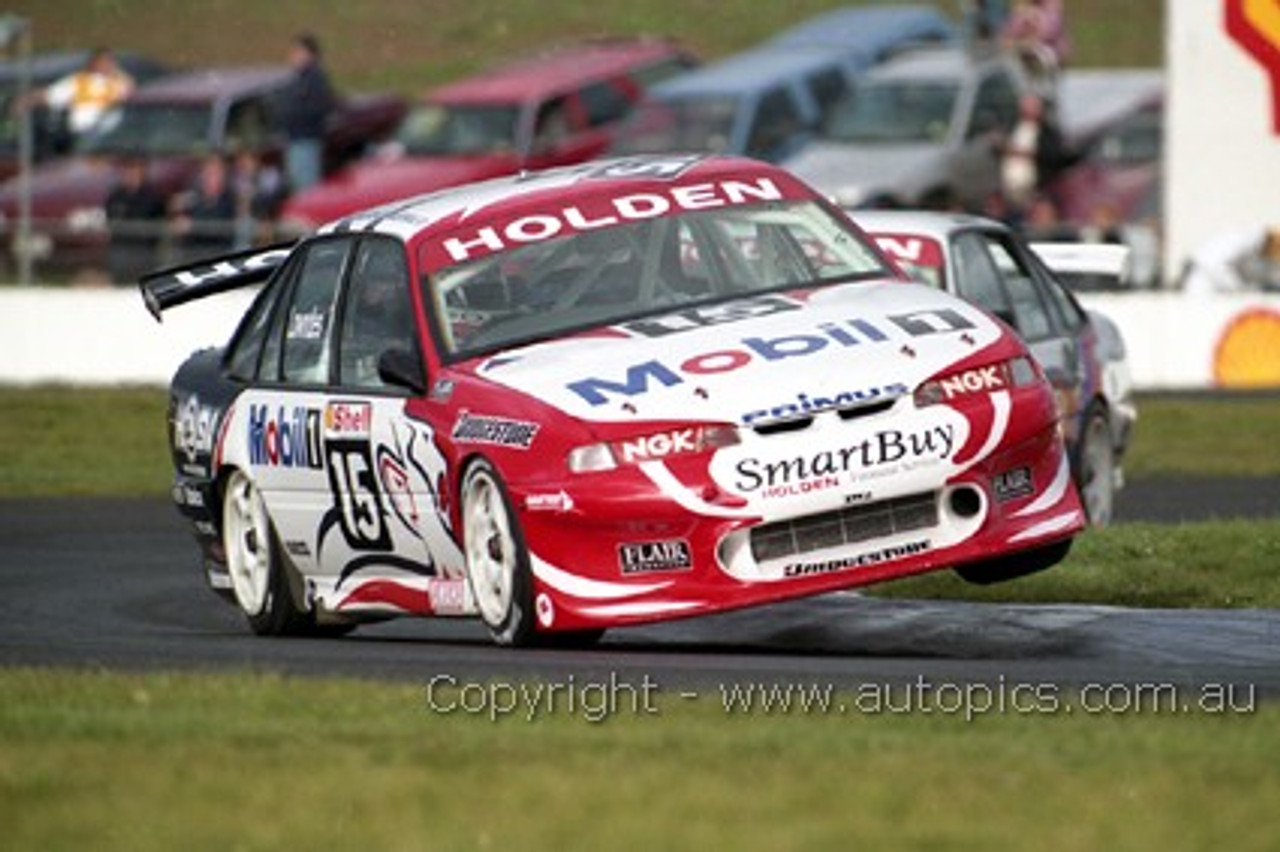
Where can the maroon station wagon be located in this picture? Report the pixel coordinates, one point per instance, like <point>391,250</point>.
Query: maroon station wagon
<point>173,123</point>
<point>555,109</point>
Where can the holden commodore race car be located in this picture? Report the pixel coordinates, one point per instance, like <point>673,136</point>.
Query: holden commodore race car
<point>613,393</point>
<point>1083,352</point>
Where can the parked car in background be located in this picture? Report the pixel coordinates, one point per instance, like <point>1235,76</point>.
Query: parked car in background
<point>558,108</point>
<point>921,131</point>
<point>1082,352</point>
<point>50,136</point>
<point>607,394</point>
<point>172,123</point>
<point>766,102</point>
<point>1117,169</point>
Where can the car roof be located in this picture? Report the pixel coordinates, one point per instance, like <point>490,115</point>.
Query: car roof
<point>749,72</point>
<point>212,84</point>
<point>929,63</point>
<point>938,225</point>
<point>871,30</point>
<point>557,71</point>
<point>410,218</point>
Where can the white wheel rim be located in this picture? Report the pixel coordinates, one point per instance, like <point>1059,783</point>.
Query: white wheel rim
<point>1098,473</point>
<point>491,551</point>
<point>246,537</point>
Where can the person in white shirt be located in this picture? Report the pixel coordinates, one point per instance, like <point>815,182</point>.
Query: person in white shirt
<point>86,94</point>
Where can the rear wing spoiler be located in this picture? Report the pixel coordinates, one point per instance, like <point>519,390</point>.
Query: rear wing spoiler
<point>1106,259</point>
<point>178,285</point>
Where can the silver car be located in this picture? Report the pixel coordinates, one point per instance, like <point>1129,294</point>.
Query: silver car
<point>920,130</point>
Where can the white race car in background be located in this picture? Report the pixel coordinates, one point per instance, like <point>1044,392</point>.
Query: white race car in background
<point>1081,351</point>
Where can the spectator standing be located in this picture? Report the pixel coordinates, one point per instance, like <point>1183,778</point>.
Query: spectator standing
<point>135,211</point>
<point>84,95</point>
<point>203,219</point>
<point>305,105</point>
<point>259,190</point>
<point>1030,154</point>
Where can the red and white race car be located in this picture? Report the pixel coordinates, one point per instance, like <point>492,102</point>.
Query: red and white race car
<point>620,392</point>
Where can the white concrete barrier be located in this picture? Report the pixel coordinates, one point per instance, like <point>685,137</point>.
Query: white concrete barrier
<point>1181,341</point>
<point>106,336</point>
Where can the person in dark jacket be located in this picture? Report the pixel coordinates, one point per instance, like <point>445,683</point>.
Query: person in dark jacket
<point>305,105</point>
<point>135,213</point>
<point>203,223</point>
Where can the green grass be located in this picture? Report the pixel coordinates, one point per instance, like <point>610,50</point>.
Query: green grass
<point>1220,435</point>
<point>1231,564</point>
<point>78,441</point>
<point>409,45</point>
<point>160,762</point>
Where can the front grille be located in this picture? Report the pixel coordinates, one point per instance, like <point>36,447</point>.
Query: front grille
<point>844,526</point>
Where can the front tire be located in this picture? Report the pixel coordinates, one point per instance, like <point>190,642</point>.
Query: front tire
<point>1095,468</point>
<point>497,559</point>
<point>1015,565</point>
<point>259,577</point>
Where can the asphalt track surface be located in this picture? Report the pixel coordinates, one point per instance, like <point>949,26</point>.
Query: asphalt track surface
<point>111,583</point>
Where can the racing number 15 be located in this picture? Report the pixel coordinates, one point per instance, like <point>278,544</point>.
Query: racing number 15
<point>356,495</point>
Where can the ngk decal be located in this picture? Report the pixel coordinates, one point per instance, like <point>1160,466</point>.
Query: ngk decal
<point>606,212</point>
<point>659,446</point>
<point>850,333</point>
<point>974,381</point>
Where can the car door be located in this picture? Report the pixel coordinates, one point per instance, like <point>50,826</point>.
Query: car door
<point>280,417</point>
<point>385,470</point>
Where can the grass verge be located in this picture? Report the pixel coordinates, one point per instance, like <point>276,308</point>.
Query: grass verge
<point>1221,564</point>
<point>143,762</point>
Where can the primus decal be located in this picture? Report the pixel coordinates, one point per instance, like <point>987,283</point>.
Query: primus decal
<point>652,556</point>
<point>804,404</point>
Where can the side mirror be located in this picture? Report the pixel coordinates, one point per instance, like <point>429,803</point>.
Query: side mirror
<point>401,368</point>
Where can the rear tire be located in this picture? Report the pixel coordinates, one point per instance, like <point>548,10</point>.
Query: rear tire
<point>1014,565</point>
<point>259,575</point>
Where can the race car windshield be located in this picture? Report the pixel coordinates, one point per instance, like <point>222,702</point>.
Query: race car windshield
<point>614,275</point>
<point>689,124</point>
<point>438,130</point>
<point>150,129</point>
<point>895,111</point>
